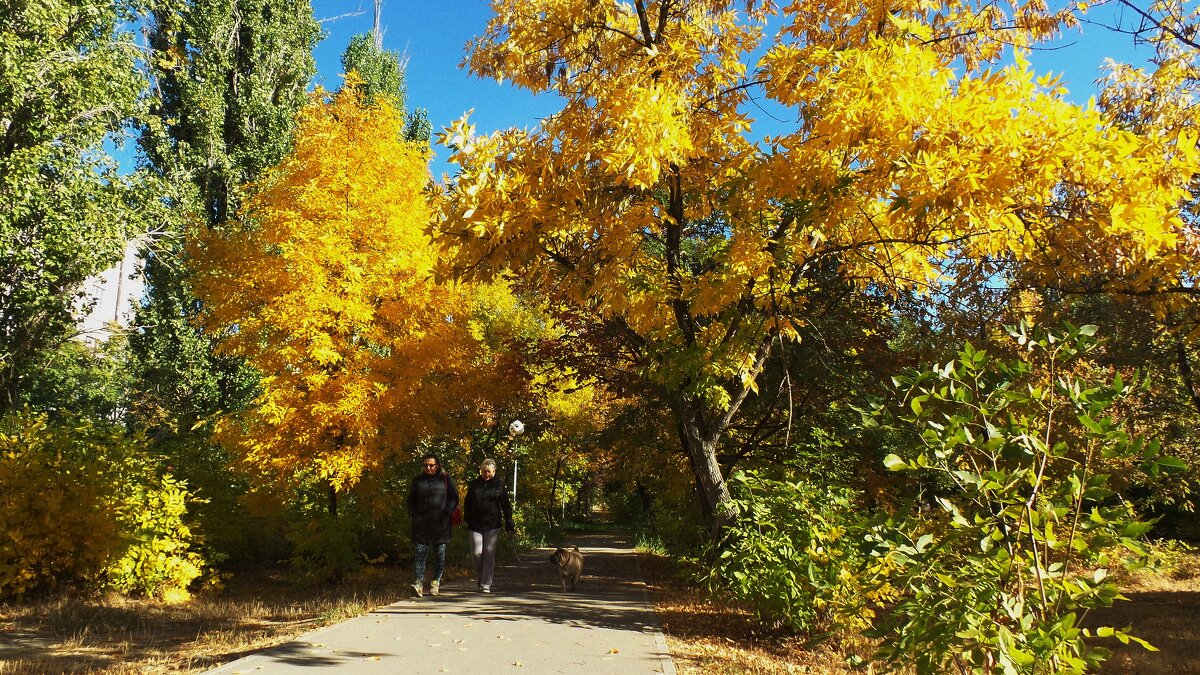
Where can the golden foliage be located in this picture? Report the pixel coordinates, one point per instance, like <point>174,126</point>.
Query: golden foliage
<point>1160,102</point>
<point>909,148</point>
<point>80,503</point>
<point>326,285</point>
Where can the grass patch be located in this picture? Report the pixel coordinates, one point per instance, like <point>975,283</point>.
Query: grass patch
<point>1161,609</point>
<point>113,634</point>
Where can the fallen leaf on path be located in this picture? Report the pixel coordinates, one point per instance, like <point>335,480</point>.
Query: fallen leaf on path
<point>614,651</point>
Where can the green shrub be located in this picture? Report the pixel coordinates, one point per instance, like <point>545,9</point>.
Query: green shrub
<point>997,573</point>
<point>793,553</point>
<point>326,547</point>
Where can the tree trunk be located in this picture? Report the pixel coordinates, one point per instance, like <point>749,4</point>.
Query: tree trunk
<point>700,444</point>
<point>1185,374</point>
<point>8,387</point>
<point>333,502</point>
<point>554,491</point>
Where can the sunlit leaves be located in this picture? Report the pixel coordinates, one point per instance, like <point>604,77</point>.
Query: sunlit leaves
<point>897,160</point>
<point>1019,470</point>
<point>662,199</point>
<point>326,286</point>
<point>68,84</point>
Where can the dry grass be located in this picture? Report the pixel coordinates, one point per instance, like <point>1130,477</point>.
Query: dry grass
<point>708,637</point>
<point>119,635</point>
<point>1162,609</point>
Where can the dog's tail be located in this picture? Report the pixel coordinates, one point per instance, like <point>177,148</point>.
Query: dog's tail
<point>575,548</point>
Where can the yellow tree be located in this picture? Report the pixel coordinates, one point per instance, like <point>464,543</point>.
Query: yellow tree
<point>655,201</point>
<point>1161,100</point>
<point>325,285</point>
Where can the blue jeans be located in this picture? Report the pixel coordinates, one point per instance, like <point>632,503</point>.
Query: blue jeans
<point>422,550</point>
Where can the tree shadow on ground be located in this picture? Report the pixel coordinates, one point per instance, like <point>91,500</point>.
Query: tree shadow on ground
<point>1165,619</point>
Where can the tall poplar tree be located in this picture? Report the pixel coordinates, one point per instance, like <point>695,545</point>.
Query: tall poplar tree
<point>230,76</point>
<point>382,74</point>
<point>68,83</point>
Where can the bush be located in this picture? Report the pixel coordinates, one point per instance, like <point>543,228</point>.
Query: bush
<point>158,561</point>
<point>793,553</point>
<point>82,503</point>
<point>1017,544</point>
<point>327,548</point>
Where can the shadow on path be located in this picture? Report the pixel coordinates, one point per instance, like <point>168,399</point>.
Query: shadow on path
<point>607,626</point>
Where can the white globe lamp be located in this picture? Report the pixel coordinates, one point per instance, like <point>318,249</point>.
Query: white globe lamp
<point>515,429</point>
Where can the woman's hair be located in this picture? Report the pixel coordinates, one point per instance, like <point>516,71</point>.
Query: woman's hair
<point>488,463</point>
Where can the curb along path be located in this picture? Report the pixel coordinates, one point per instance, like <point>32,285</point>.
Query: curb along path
<point>526,625</point>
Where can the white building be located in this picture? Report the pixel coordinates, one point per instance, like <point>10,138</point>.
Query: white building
<point>116,291</point>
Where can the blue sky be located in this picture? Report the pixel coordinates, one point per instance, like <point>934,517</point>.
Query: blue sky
<point>433,35</point>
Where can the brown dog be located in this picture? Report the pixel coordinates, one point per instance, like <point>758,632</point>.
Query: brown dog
<point>570,565</point>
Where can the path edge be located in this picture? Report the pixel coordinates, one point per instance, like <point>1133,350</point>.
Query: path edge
<point>660,638</point>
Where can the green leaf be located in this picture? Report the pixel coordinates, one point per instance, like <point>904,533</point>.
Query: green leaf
<point>1170,464</point>
<point>924,542</point>
<point>916,404</point>
<point>894,463</point>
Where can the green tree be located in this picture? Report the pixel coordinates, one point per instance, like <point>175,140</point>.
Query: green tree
<point>382,74</point>
<point>81,380</point>
<point>230,76</point>
<point>69,83</point>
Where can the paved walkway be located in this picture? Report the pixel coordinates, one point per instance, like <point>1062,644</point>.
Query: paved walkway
<point>525,625</point>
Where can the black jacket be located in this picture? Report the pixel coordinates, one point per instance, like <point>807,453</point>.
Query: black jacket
<point>487,506</point>
<point>431,500</point>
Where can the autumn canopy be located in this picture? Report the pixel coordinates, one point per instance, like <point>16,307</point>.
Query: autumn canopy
<point>652,200</point>
<point>325,284</point>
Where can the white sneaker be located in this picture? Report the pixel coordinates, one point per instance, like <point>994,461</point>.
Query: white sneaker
<point>486,589</point>
<point>417,588</point>
<point>433,587</point>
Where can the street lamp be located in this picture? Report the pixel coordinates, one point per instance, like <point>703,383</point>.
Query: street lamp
<point>515,429</point>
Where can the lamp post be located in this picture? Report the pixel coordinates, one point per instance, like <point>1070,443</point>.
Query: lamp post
<point>515,429</point>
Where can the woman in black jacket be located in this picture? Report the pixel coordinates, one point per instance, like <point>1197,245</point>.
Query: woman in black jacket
<point>487,510</point>
<point>432,497</point>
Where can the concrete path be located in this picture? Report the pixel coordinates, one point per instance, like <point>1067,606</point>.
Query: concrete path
<point>526,625</point>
